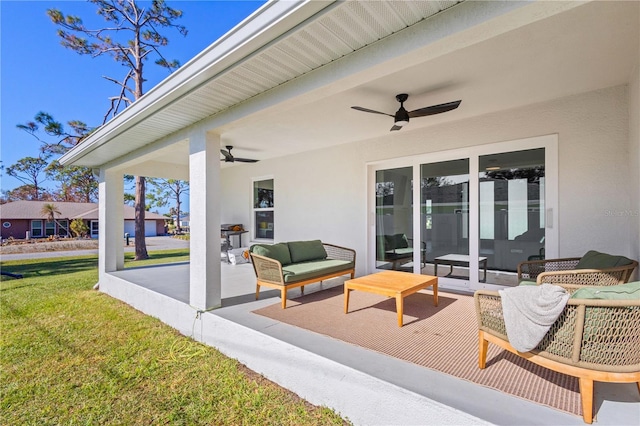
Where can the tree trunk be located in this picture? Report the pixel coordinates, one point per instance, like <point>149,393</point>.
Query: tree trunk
<point>179,228</point>
<point>141,245</point>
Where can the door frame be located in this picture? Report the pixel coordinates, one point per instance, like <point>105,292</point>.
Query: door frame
<point>473,153</point>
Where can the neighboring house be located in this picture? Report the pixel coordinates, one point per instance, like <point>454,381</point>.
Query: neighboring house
<point>184,223</point>
<point>22,217</point>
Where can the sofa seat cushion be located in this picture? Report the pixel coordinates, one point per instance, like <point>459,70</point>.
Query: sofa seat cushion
<point>303,251</point>
<point>279,252</point>
<point>628,291</point>
<point>315,268</point>
<point>596,260</point>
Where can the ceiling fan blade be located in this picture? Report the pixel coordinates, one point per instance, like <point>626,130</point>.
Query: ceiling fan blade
<point>370,110</point>
<point>227,155</point>
<point>395,128</point>
<point>434,109</point>
<point>245,160</point>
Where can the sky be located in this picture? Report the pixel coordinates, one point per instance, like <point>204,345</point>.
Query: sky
<point>38,74</point>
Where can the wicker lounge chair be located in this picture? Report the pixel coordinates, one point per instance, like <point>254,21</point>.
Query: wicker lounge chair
<point>593,340</point>
<point>592,269</point>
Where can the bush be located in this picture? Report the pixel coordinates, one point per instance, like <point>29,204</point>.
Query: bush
<point>79,228</point>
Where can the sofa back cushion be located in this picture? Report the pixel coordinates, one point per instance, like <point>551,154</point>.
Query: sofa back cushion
<point>303,251</point>
<point>628,291</point>
<point>596,260</point>
<point>395,241</point>
<point>279,252</point>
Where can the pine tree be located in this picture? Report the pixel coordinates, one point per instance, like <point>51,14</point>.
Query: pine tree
<point>130,38</point>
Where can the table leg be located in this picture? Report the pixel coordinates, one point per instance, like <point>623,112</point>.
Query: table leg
<point>484,280</point>
<point>400,308</point>
<point>435,267</point>
<point>435,293</point>
<point>346,299</point>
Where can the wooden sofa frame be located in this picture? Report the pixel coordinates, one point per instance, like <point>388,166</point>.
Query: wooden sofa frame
<point>269,271</point>
<point>593,340</point>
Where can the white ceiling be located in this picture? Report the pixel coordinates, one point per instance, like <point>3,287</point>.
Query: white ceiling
<point>581,49</point>
<point>584,49</point>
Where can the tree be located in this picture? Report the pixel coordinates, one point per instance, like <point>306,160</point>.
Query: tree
<point>77,184</point>
<point>130,38</point>
<point>53,128</point>
<point>25,192</point>
<point>49,211</point>
<point>171,190</point>
<point>28,170</point>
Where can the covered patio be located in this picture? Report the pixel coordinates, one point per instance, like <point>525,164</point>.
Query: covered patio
<point>541,158</point>
<point>365,386</point>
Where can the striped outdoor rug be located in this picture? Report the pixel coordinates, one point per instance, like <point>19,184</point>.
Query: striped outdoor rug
<point>443,339</point>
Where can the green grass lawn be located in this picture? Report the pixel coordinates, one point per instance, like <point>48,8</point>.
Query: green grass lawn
<point>73,355</point>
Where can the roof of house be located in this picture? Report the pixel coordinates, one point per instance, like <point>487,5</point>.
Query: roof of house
<point>87,211</point>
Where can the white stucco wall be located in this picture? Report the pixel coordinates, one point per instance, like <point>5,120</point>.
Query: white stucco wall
<point>634,161</point>
<point>322,194</point>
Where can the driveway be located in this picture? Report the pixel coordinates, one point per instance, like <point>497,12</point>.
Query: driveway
<point>153,244</point>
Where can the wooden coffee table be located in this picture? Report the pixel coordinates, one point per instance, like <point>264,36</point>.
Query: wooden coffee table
<point>392,284</point>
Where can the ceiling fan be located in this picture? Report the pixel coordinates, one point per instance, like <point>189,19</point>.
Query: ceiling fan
<point>229,158</point>
<point>401,117</point>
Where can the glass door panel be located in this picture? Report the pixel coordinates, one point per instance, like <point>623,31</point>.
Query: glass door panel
<point>511,212</point>
<point>444,218</point>
<point>394,219</point>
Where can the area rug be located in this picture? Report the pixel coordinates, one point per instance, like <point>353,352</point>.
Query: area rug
<point>443,338</point>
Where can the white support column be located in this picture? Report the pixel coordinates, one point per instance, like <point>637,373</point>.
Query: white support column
<point>111,221</point>
<point>205,285</point>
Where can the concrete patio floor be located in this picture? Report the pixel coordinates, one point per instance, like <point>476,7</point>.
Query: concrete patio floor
<point>364,386</point>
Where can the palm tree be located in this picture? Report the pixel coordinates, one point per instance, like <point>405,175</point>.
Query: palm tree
<point>49,211</point>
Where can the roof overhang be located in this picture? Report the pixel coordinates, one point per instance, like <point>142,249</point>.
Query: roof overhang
<point>283,80</point>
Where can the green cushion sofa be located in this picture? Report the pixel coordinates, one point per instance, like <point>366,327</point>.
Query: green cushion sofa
<point>297,263</point>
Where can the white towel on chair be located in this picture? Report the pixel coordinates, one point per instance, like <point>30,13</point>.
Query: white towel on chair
<point>530,311</point>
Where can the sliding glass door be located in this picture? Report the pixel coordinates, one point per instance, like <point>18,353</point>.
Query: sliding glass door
<point>394,219</point>
<point>444,214</point>
<point>512,211</point>
<point>474,216</point>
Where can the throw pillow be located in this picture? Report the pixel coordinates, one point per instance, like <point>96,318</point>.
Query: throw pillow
<point>279,252</point>
<point>302,251</point>
<point>596,260</point>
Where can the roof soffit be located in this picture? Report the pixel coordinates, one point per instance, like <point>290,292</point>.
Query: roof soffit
<point>329,33</point>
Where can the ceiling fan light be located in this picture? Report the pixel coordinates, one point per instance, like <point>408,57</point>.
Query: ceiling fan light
<point>402,117</point>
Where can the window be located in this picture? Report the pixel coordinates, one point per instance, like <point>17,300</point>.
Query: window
<point>63,228</point>
<point>94,229</point>
<point>36,228</point>
<point>263,209</point>
<point>50,228</point>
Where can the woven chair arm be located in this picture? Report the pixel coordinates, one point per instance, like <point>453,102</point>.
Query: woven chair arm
<point>340,253</point>
<point>267,269</point>
<point>532,268</point>
<point>489,312</point>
